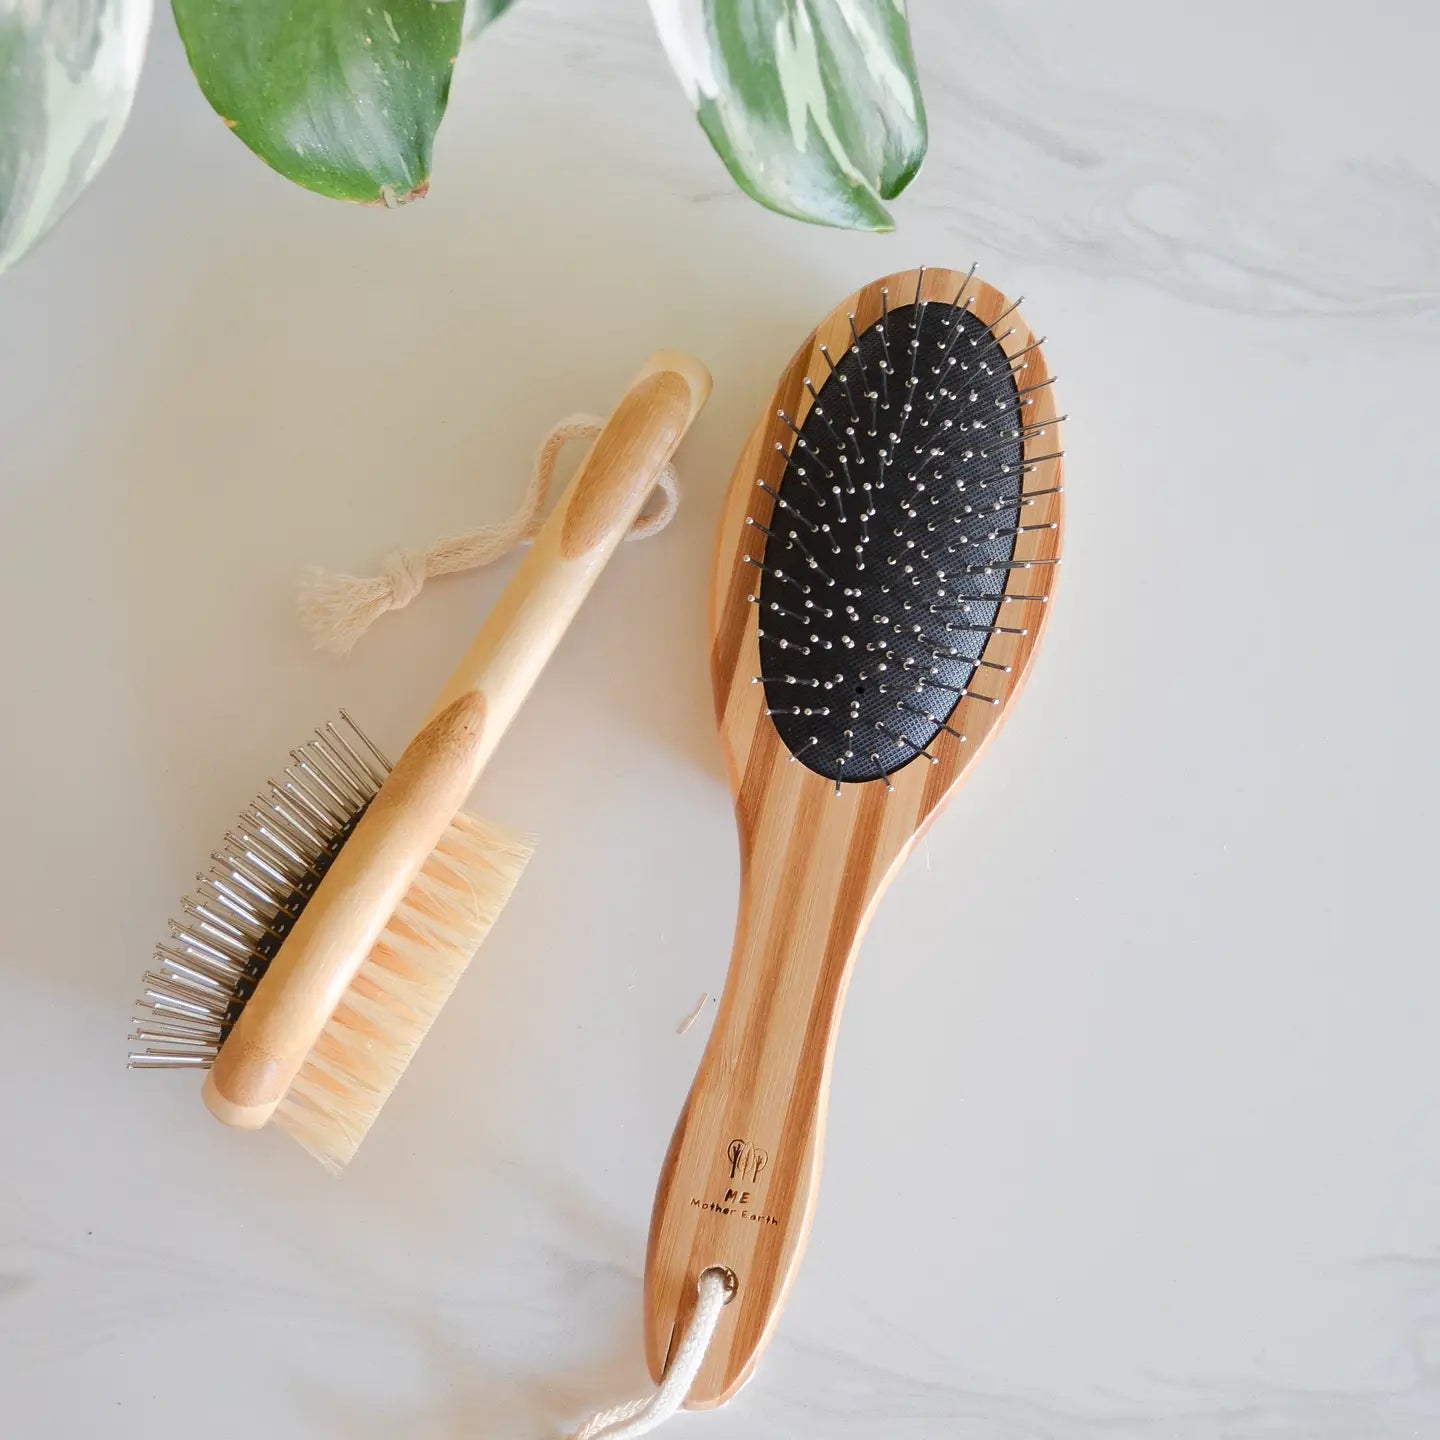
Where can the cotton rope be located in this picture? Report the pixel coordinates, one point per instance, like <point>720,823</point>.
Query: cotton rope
<point>338,609</point>
<point>639,1417</point>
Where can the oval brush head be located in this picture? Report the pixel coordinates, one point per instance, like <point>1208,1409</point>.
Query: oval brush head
<point>259,882</point>
<point>885,558</point>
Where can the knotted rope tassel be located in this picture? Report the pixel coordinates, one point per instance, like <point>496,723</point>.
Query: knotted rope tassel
<point>338,609</point>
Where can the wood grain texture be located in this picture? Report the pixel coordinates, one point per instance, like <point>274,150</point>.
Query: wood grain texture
<point>369,878</point>
<point>413,809</point>
<point>627,459</point>
<point>739,1182</point>
<point>580,535</point>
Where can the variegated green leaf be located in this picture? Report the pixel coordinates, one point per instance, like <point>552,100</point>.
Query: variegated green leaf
<point>479,14</point>
<point>68,70</point>
<point>813,105</point>
<point>340,96</point>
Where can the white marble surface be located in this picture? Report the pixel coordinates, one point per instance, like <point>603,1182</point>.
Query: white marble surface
<point>1153,1152</point>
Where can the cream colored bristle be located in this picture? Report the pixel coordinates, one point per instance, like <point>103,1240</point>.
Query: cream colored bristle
<point>400,988</point>
<point>262,877</point>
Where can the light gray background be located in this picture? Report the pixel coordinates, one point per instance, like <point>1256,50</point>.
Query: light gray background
<point>1134,1124</point>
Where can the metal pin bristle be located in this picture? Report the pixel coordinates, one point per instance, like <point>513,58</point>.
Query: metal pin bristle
<point>911,491</point>
<point>244,905</point>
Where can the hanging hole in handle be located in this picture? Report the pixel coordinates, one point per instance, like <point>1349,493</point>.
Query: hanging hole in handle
<point>727,1277</point>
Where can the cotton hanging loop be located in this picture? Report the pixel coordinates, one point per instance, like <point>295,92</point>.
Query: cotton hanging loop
<point>639,1417</point>
<point>337,609</point>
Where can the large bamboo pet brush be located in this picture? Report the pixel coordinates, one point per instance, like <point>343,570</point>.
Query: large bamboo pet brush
<point>886,556</point>
<point>347,901</point>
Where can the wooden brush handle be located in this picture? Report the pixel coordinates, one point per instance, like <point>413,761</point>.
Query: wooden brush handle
<point>738,1186</point>
<point>430,782</point>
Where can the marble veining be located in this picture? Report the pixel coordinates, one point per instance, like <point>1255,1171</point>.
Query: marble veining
<point>1150,1152</point>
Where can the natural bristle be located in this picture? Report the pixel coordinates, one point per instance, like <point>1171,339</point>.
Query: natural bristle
<point>260,881</point>
<point>400,989</point>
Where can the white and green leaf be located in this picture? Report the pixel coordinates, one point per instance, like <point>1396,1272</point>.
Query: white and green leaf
<point>68,71</point>
<point>813,105</point>
<point>341,96</point>
<point>479,14</point>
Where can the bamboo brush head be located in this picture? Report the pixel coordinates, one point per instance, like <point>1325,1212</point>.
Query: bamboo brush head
<point>890,541</point>
<point>260,880</point>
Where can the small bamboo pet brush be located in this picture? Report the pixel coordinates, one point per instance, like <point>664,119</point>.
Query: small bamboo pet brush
<point>885,558</point>
<point>348,900</point>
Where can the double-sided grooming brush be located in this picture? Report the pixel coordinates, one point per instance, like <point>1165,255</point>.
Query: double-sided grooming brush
<point>886,553</point>
<point>346,902</point>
